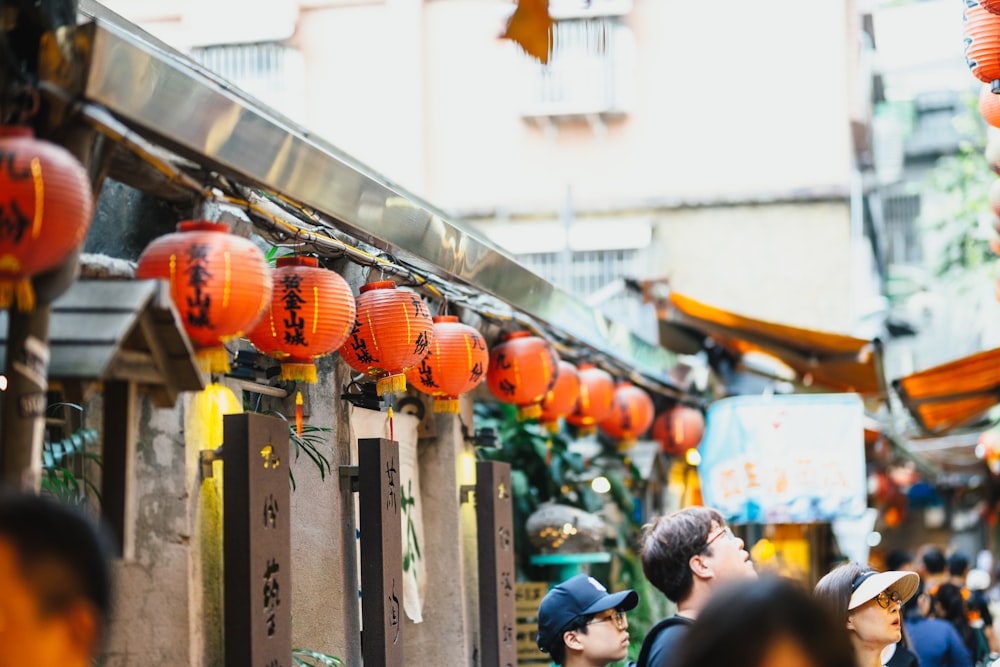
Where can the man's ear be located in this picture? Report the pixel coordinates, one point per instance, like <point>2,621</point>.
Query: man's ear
<point>571,639</point>
<point>698,567</point>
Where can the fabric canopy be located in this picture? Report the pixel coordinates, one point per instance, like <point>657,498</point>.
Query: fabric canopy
<point>954,394</point>
<point>832,360</point>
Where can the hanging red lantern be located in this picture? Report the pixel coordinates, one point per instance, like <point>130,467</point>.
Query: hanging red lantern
<point>631,414</point>
<point>989,106</point>
<point>597,389</point>
<point>522,370</point>
<point>679,429</point>
<point>559,400</point>
<point>46,207</point>
<point>456,363</point>
<point>992,6</point>
<point>392,333</point>
<point>982,44</point>
<point>220,284</point>
<point>310,315</point>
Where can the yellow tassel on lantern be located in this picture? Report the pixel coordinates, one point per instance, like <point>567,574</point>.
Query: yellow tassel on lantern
<point>552,426</point>
<point>299,372</point>
<point>213,359</point>
<point>298,413</point>
<point>449,405</point>
<point>533,411</point>
<point>548,452</point>
<point>391,384</point>
<point>17,291</point>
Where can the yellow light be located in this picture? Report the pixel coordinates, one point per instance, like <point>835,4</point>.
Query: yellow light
<point>467,468</point>
<point>693,457</point>
<point>600,484</point>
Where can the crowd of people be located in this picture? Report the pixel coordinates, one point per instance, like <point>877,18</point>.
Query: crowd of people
<point>926,609</point>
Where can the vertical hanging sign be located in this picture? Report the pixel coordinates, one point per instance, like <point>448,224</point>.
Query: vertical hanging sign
<point>381,552</point>
<point>257,542</point>
<point>497,593</point>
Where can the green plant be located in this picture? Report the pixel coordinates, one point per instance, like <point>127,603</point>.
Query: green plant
<point>303,657</point>
<point>309,443</point>
<point>58,479</point>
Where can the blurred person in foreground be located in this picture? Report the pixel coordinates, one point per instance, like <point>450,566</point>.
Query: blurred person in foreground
<point>687,555</point>
<point>580,624</point>
<point>55,584</point>
<point>770,622</point>
<point>868,602</point>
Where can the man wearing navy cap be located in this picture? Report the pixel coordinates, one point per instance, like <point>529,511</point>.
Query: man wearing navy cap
<point>580,624</point>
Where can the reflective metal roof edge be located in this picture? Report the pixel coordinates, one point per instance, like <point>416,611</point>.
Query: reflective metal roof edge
<point>165,95</point>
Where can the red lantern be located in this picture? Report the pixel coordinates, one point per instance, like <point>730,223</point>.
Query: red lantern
<point>392,333</point>
<point>989,106</point>
<point>220,284</point>
<point>522,370</point>
<point>631,414</point>
<point>992,6</point>
<point>311,314</point>
<point>559,400</point>
<point>597,389</point>
<point>982,45</point>
<point>47,207</point>
<point>456,363</point>
<point>679,429</point>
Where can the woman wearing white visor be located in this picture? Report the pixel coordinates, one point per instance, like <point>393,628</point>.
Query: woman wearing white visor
<point>870,602</point>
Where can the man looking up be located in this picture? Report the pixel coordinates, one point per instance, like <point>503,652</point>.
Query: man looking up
<point>55,584</point>
<point>687,555</point>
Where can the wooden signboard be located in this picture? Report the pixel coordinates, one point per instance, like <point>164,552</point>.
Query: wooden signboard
<point>257,542</point>
<point>381,552</point>
<point>495,523</point>
<point>529,595</point>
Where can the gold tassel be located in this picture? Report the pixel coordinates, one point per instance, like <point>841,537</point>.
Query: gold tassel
<point>526,412</point>
<point>299,373</point>
<point>213,359</point>
<point>551,426</point>
<point>391,384</point>
<point>25,295</point>
<point>446,405</point>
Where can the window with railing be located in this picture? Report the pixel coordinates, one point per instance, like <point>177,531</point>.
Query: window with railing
<point>590,69</point>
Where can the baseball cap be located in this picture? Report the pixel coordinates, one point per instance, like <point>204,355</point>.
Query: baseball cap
<point>577,596</point>
<point>869,584</point>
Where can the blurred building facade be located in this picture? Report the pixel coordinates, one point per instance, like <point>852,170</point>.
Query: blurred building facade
<point>663,141</point>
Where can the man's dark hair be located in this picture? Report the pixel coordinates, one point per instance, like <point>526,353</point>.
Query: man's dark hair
<point>958,564</point>
<point>897,558</point>
<point>669,542</point>
<point>934,561</point>
<point>557,652</point>
<point>60,551</point>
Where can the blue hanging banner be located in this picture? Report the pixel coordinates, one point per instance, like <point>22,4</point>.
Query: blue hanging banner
<point>796,458</point>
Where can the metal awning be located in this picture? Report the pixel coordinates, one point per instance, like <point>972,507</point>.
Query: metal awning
<point>170,101</point>
<point>119,330</point>
<point>952,395</point>
<point>831,360</point>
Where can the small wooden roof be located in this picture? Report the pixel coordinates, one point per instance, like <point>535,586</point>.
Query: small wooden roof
<point>125,330</point>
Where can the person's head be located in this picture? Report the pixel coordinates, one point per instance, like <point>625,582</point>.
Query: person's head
<point>958,564</point>
<point>933,560</point>
<point>580,617</point>
<point>868,602</point>
<point>688,544</point>
<point>949,603</point>
<point>770,621</point>
<point>899,559</point>
<point>55,580</point>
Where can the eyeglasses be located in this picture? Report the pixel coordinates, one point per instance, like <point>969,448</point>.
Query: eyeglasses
<point>885,597</point>
<point>616,617</point>
<point>727,531</point>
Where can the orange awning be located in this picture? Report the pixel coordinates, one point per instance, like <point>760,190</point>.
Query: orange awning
<point>839,362</point>
<point>953,394</point>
